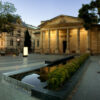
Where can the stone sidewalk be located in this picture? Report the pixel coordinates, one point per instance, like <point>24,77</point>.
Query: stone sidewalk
<point>88,87</point>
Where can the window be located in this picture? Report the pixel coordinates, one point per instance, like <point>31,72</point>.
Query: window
<point>19,31</point>
<point>33,43</point>
<point>18,43</point>
<point>1,43</point>
<point>11,42</point>
<point>11,33</point>
<point>18,35</point>
<point>37,43</point>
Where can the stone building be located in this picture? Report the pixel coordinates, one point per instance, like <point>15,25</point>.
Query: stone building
<point>67,35</point>
<point>14,41</point>
<point>36,41</point>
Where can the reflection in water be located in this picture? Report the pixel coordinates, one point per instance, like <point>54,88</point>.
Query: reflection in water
<point>37,78</point>
<point>34,80</point>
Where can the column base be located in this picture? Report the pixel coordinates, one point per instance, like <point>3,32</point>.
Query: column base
<point>41,50</point>
<point>67,52</point>
<point>88,51</point>
<point>48,50</point>
<point>56,51</point>
<point>78,51</point>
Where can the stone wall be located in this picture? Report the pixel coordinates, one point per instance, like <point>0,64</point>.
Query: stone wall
<point>83,40</point>
<point>73,40</point>
<point>2,41</point>
<point>95,40</point>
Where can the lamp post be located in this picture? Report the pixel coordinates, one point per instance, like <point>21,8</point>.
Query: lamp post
<point>17,45</point>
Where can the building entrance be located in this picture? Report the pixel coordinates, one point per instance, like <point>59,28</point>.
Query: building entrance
<point>64,46</point>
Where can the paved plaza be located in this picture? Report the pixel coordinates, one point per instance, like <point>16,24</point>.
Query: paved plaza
<point>88,87</point>
<point>16,62</point>
<point>13,63</point>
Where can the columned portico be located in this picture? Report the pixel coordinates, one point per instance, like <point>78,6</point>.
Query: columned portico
<point>78,41</point>
<point>57,41</point>
<point>65,34</point>
<point>67,39</point>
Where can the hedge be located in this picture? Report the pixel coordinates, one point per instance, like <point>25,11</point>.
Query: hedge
<point>57,77</point>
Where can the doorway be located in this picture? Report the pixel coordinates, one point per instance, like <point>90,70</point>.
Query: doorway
<point>64,46</point>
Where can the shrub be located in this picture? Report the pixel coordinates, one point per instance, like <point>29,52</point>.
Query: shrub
<point>57,77</point>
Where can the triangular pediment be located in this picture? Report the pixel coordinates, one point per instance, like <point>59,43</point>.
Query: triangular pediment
<point>62,19</point>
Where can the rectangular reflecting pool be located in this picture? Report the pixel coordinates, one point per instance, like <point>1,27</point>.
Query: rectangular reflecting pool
<point>37,78</point>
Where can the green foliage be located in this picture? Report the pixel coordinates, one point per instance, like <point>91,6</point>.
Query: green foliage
<point>57,77</point>
<point>97,5</point>
<point>89,13</point>
<point>7,8</point>
<point>7,18</point>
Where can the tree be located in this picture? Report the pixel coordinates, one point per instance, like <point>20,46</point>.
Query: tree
<point>90,13</point>
<point>27,41</point>
<point>7,18</point>
<point>7,8</point>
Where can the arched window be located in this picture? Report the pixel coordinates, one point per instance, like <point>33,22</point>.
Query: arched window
<point>11,42</point>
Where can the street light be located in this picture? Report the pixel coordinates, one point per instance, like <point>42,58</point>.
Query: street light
<point>17,44</point>
<point>18,39</point>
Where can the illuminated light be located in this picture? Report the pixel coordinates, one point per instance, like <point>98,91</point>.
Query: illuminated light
<point>18,39</point>
<point>25,51</point>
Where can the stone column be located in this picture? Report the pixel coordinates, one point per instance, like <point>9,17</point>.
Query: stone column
<point>88,41</point>
<point>78,41</point>
<point>41,41</point>
<point>67,39</point>
<point>57,42</point>
<point>48,41</point>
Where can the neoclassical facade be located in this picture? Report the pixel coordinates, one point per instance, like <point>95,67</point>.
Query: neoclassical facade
<point>67,35</point>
